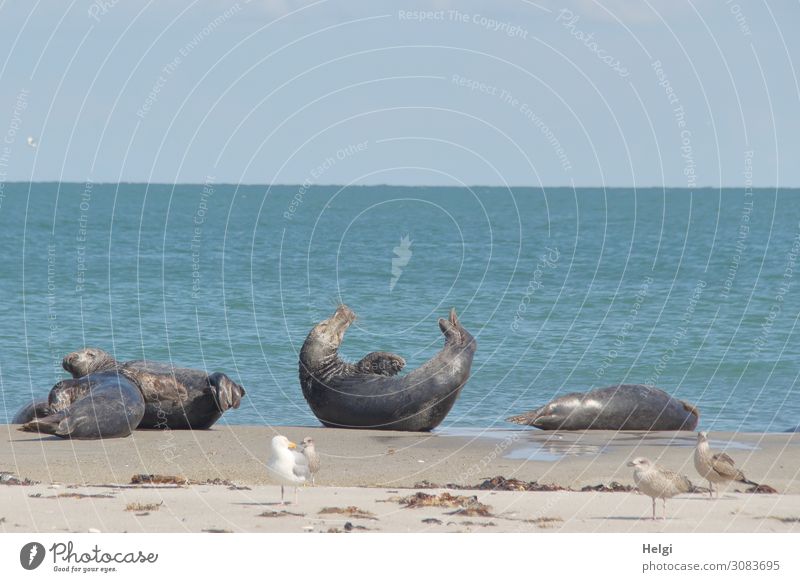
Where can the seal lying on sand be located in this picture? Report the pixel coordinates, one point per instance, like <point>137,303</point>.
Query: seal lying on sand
<point>106,398</point>
<point>368,394</point>
<point>623,407</point>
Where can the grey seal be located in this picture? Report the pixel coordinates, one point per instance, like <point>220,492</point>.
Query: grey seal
<point>369,393</point>
<point>622,407</point>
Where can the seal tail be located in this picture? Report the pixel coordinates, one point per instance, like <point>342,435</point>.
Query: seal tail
<point>521,419</point>
<point>537,419</point>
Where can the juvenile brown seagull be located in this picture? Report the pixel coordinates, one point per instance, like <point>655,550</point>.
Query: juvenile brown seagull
<point>715,467</point>
<point>657,482</point>
<point>310,453</point>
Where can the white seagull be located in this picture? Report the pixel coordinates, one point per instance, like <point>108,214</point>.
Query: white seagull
<point>286,466</point>
<point>32,142</point>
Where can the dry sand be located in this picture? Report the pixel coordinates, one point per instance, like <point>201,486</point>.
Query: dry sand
<point>365,469</point>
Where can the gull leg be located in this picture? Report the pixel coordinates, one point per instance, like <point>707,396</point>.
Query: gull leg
<point>710,489</point>
<point>654,508</point>
<point>665,508</point>
<point>282,503</point>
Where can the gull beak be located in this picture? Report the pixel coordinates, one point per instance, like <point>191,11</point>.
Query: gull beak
<point>292,445</point>
<point>631,464</point>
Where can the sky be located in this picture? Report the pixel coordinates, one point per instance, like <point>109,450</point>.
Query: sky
<point>429,92</point>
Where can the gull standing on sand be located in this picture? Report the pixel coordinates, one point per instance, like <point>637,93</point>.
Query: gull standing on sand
<point>286,466</point>
<point>715,467</point>
<point>310,453</point>
<point>657,482</point>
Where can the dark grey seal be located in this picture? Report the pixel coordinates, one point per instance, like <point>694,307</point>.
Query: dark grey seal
<point>622,407</point>
<point>169,397</point>
<point>368,394</point>
<point>99,405</point>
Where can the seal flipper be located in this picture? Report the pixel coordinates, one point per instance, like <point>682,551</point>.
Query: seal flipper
<point>38,408</point>
<point>542,421</point>
<point>380,363</point>
<point>111,406</point>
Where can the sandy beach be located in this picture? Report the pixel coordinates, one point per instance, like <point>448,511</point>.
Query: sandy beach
<point>368,476</point>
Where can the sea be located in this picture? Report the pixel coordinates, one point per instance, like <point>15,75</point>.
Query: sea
<point>565,290</point>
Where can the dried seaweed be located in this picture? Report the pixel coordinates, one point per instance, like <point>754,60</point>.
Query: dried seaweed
<point>281,513</point>
<point>786,519</point>
<point>85,496</point>
<point>348,527</point>
<point>432,521</point>
<point>73,496</point>
<point>502,484</point>
<point>350,511</point>
<point>766,489</point>
<point>143,506</point>
<point>498,483</point>
<point>11,479</point>
<point>544,522</point>
<point>477,510</point>
<point>179,480</point>
<point>464,505</point>
<point>143,479</point>
<point>613,487</point>
<point>428,485</point>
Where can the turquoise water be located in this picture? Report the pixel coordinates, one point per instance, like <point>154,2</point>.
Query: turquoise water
<point>564,290</point>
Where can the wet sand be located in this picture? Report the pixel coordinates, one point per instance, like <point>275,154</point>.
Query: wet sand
<point>363,468</point>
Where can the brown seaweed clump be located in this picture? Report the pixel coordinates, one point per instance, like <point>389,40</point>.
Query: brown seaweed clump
<point>351,511</point>
<point>464,505</point>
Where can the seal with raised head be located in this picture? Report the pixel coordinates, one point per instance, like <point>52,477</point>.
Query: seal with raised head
<point>622,407</point>
<point>369,394</point>
<point>129,395</point>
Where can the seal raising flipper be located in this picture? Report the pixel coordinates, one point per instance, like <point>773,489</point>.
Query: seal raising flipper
<point>100,405</point>
<point>381,363</point>
<point>623,407</point>
<point>348,395</point>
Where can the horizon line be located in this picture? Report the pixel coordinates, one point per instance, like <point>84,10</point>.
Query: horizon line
<point>376,185</point>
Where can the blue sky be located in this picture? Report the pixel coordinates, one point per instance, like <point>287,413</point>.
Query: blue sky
<point>650,93</point>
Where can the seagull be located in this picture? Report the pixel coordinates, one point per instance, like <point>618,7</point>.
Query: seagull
<point>310,453</point>
<point>657,482</point>
<point>715,467</point>
<point>286,466</point>
<point>32,142</point>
